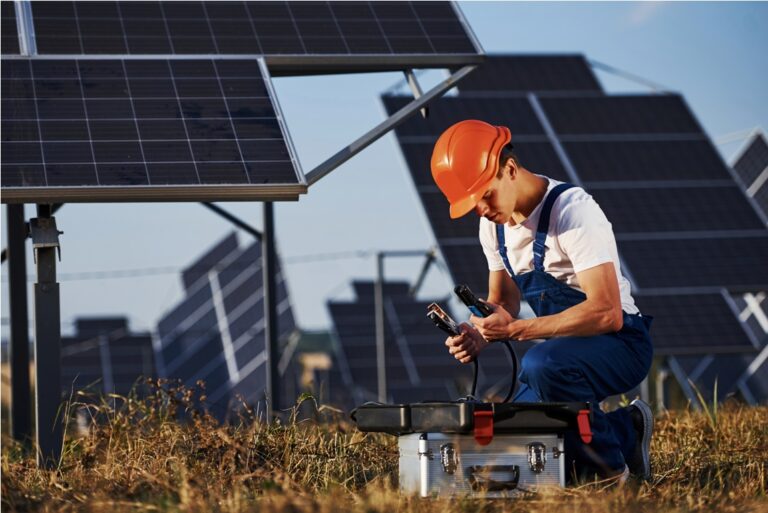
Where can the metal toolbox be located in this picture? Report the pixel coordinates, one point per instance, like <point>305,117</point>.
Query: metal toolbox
<point>476,448</point>
<point>447,465</point>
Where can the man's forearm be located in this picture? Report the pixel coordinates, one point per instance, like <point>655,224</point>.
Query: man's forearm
<point>582,320</point>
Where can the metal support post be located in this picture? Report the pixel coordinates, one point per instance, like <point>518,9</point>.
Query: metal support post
<point>268,256</point>
<point>45,243</point>
<point>381,364</point>
<point>21,414</point>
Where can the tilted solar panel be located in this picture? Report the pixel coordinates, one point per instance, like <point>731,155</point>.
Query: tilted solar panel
<point>216,333</point>
<point>732,261</point>
<point>511,74</point>
<point>752,169</point>
<point>753,161</point>
<point>296,37</point>
<point>694,324</point>
<point>104,357</point>
<point>677,209</point>
<point>620,115</point>
<point>143,129</point>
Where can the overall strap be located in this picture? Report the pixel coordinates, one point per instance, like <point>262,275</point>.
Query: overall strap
<point>503,248</point>
<point>543,228</point>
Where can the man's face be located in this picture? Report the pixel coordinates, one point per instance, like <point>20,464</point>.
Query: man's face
<point>498,202</point>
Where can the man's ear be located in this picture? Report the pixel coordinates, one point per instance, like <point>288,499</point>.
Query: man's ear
<point>510,168</point>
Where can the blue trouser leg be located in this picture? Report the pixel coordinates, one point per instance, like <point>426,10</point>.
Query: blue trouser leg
<point>589,369</point>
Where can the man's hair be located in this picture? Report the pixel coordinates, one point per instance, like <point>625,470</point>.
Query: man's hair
<point>507,152</point>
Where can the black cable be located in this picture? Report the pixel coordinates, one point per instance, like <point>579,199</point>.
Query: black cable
<point>476,371</point>
<point>514,371</point>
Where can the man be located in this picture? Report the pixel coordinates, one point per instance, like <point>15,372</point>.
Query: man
<point>550,243</point>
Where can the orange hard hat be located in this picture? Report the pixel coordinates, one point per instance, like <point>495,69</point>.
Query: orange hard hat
<point>465,161</point>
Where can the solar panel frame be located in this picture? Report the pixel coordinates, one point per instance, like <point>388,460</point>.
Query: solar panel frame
<point>162,192</point>
<point>296,38</point>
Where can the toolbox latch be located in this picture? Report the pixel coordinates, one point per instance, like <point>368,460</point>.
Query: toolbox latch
<point>483,426</point>
<point>585,431</point>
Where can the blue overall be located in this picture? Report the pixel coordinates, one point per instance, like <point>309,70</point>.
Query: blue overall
<point>580,368</point>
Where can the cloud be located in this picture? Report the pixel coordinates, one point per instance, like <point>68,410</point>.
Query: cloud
<point>642,12</point>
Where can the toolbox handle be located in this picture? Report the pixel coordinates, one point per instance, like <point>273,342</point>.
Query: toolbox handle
<point>479,482</point>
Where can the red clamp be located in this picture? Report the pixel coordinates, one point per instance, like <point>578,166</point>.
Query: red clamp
<point>483,426</point>
<point>584,429</point>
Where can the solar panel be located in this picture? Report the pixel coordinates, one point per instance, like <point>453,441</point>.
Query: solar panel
<point>620,115</point>
<point>761,197</point>
<point>296,37</point>
<point>626,162</point>
<point>670,209</point>
<point>752,163</point>
<point>752,309</point>
<point>509,74</point>
<point>9,36</point>
<point>216,333</point>
<point>515,113</point>
<point>143,129</point>
<point>737,263</point>
<point>417,365</point>
<point>693,324</point>
<point>105,357</point>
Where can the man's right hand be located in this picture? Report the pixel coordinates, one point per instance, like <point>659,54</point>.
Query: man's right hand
<point>467,346</point>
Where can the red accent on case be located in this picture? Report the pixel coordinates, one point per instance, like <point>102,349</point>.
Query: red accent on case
<point>584,429</point>
<point>483,427</point>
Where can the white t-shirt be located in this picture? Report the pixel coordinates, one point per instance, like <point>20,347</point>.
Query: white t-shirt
<point>579,238</point>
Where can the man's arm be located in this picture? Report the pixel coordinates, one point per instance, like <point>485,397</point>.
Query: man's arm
<point>503,291</point>
<point>599,313</point>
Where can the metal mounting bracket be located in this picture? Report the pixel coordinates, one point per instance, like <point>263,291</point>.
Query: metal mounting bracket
<point>44,234</point>
<point>413,83</point>
<point>385,126</point>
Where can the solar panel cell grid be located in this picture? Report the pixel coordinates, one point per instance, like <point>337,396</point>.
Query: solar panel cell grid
<point>693,323</point>
<point>630,161</point>
<point>734,262</point>
<point>515,113</point>
<point>9,36</point>
<point>620,115</point>
<point>677,209</point>
<point>267,28</point>
<point>526,73</point>
<point>753,162</point>
<point>192,122</point>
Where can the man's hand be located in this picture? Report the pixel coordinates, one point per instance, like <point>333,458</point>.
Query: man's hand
<point>465,347</point>
<point>497,326</point>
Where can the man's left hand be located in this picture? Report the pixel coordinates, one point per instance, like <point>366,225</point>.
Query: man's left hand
<point>496,326</point>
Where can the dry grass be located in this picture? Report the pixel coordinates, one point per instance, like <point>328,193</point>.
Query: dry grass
<point>140,458</point>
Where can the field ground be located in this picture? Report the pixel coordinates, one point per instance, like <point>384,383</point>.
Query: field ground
<point>138,457</point>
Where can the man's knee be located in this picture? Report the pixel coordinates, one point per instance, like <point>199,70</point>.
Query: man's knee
<point>541,362</point>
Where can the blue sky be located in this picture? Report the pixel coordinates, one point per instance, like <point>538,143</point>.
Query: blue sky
<point>713,53</point>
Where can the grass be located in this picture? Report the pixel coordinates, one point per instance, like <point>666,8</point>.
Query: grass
<point>139,457</point>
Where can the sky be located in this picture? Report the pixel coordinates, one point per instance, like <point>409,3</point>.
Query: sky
<point>712,53</point>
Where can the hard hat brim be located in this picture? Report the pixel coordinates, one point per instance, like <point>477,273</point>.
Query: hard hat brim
<point>467,204</point>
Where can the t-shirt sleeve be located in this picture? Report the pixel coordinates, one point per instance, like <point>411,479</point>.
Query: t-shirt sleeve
<point>488,241</point>
<point>585,235</point>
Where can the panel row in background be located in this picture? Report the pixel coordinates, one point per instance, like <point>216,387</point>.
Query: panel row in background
<point>214,335</point>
